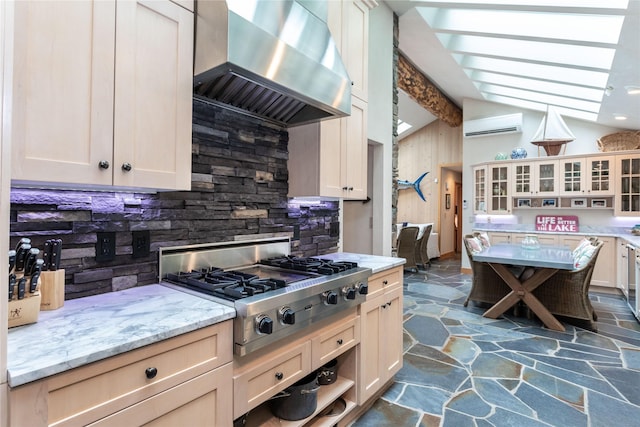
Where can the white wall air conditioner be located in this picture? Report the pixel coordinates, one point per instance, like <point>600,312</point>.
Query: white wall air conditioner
<point>498,125</point>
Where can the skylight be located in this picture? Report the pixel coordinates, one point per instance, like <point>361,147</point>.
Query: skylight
<point>403,127</point>
<point>533,53</point>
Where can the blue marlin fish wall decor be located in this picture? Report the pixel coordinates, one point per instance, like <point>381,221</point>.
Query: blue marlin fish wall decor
<point>403,184</point>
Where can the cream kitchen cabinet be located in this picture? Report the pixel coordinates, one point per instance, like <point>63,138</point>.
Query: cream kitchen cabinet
<point>349,24</point>
<point>591,176</point>
<point>603,273</point>
<point>535,178</point>
<point>258,376</point>
<point>499,237</point>
<point>102,94</point>
<point>180,381</point>
<point>627,200</point>
<point>380,355</point>
<point>329,158</point>
<point>499,189</point>
<point>480,190</point>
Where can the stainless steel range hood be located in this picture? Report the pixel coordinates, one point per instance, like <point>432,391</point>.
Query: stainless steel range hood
<point>272,59</point>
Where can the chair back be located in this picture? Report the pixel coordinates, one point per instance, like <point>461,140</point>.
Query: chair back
<point>407,245</point>
<point>422,257</point>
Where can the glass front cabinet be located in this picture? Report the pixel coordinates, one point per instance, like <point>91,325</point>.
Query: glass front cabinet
<point>628,178</point>
<point>480,190</point>
<point>537,178</point>
<point>499,184</point>
<point>591,176</point>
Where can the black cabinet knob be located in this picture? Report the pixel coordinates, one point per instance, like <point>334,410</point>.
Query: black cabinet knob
<point>103,164</point>
<point>340,341</point>
<point>279,376</point>
<point>126,167</point>
<point>151,372</point>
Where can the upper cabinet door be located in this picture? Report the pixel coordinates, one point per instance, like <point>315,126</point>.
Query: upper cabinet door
<point>153,95</point>
<point>480,190</point>
<point>355,46</point>
<point>63,91</point>
<point>628,180</point>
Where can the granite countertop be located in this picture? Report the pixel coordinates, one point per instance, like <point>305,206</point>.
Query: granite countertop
<point>584,230</point>
<point>88,329</point>
<point>375,262</point>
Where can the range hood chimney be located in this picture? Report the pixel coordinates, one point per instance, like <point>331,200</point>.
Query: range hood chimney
<point>271,59</point>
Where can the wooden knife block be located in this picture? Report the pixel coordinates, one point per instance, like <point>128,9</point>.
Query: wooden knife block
<point>52,289</point>
<point>26,310</point>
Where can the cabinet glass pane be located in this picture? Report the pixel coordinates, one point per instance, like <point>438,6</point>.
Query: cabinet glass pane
<point>625,167</point>
<point>635,166</point>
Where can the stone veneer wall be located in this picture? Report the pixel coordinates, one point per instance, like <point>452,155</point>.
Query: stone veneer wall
<point>239,190</point>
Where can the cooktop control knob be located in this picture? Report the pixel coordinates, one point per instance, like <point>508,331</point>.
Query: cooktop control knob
<point>363,288</point>
<point>287,316</point>
<point>330,298</point>
<point>349,292</point>
<point>264,324</point>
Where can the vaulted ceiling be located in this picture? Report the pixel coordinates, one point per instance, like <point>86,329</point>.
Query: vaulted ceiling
<point>583,60</point>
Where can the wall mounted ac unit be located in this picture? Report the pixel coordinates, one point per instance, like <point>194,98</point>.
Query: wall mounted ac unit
<point>498,125</point>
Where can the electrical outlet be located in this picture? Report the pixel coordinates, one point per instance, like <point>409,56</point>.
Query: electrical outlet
<point>106,246</point>
<point>334,229</point>
<point>141,243</point>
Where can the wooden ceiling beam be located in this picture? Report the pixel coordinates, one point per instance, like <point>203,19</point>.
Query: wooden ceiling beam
<point>420,89</point>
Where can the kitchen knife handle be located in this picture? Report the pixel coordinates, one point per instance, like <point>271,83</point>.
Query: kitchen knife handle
<point>103,164</point>
<point>22,283</point>
<point>12,283</point>
<point>23,241</point>
<point>33,286</point>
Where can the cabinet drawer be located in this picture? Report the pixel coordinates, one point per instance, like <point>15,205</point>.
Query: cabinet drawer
<point>270,375</point>
<point>102,388</point>
<point>204,400</point>
<point>384,280</point>
<point>330,344</point>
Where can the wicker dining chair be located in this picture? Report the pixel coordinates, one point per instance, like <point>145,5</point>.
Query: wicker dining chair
<point>566,293</point>
<point>406,247</point>
<point>422,256</point>
<point>486,285</point>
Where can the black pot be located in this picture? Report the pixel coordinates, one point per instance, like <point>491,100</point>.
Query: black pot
<point>298,401</point>
<point>328,373</point>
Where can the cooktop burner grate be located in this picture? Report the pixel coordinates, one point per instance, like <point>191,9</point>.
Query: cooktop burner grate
<point>230,285</point>
<point>310,265</point>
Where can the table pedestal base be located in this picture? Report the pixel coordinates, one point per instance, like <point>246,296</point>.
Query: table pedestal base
<point>521,291</point>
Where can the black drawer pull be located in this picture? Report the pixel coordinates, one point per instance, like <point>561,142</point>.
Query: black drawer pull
<point>385,282</point>
<point>340,341</point>
<point>151,372</point>
<point>279,376</point>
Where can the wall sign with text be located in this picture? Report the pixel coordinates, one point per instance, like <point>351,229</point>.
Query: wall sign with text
<point>558,223</point>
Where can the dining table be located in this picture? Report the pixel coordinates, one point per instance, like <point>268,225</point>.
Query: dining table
<point>545,260</point>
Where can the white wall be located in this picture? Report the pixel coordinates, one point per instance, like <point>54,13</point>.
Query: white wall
<point>6,62</point>
<point>374,218</point>
<point>478,150</point>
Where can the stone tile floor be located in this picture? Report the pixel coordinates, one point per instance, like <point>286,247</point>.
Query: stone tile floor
<point>461,369</point>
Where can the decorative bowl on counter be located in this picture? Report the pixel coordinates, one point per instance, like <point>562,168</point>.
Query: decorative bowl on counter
<point>501,156</point>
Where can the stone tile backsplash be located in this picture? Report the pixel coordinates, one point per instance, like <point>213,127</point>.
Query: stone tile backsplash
<point>239,188</point>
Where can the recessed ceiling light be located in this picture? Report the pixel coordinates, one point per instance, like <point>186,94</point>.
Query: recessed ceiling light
<point>620,117</point>
<point>633,90</point>
<point>403,126</point>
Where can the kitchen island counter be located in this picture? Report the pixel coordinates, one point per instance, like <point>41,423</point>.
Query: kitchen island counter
<point>375,262</point>
<point>93,328</point>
